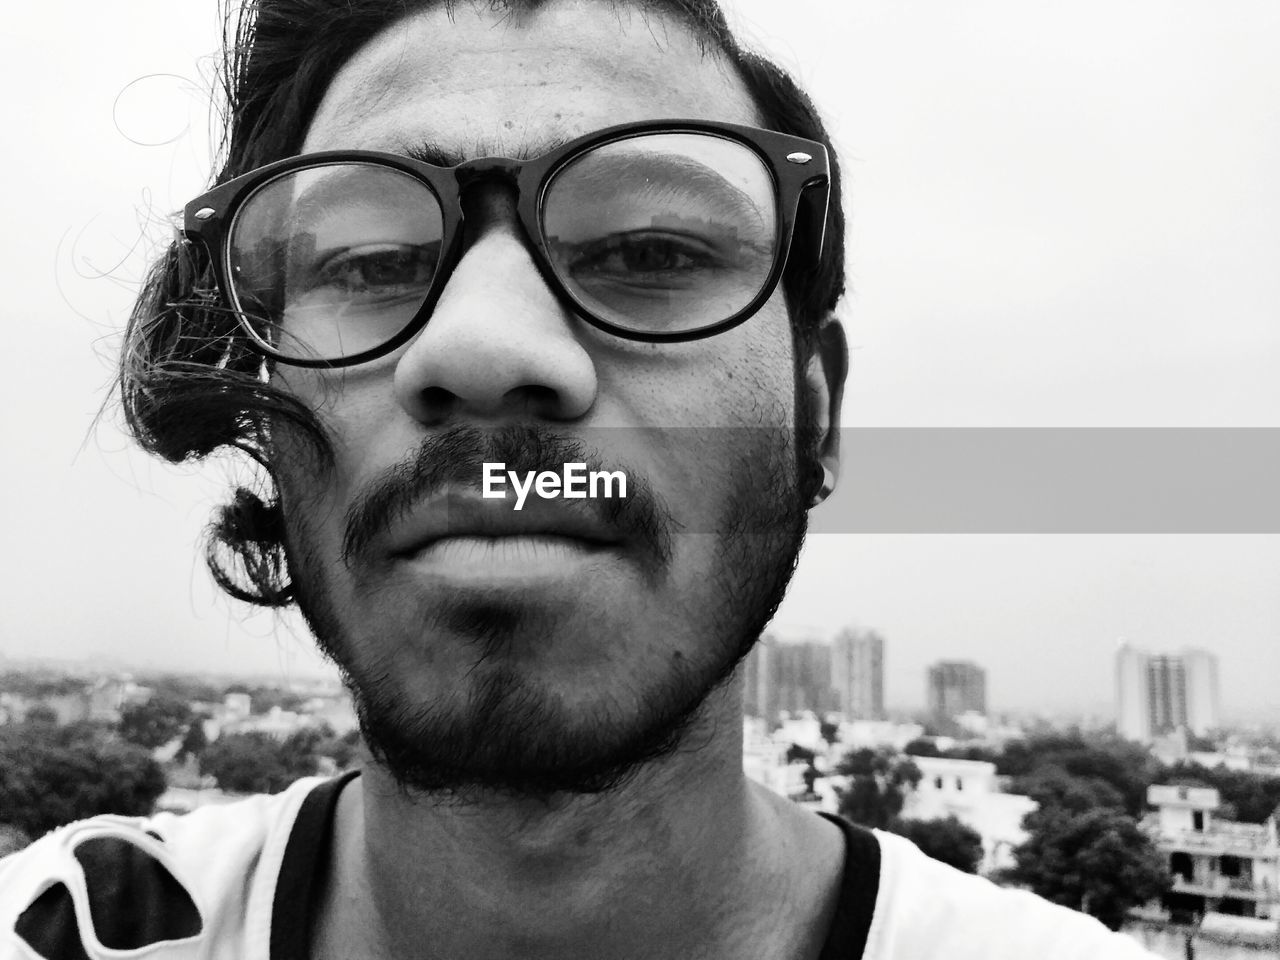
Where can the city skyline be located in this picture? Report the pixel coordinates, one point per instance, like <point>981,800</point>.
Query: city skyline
<point>825,674</point>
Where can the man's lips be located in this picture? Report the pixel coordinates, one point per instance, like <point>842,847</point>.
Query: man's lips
<point>465,514</point>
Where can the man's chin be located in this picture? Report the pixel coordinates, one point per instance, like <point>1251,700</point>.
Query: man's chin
<point>510,736</point>
<point>439,642</point>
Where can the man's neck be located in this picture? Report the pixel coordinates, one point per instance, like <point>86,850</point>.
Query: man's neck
<point>688,860</point>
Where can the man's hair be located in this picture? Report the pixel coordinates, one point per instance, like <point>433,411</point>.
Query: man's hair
<point>190,384</point>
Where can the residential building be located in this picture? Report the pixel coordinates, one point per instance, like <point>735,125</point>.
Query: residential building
<point>879,733</point>
<point>764,760</point>
<point>1161,694</point>
<point>336,711</point>
<point>1217,865</point>
<point>107,698</point>
<point>956,687</point>
<point>237,706</point>
<point>969,791</point>
<point>276,723</point>
<point>802,729</point>
<point>69,707</point>
<point>857,674</point>
<point>14,706</point>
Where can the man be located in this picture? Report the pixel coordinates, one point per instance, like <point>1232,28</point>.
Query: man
<point>550,234</point>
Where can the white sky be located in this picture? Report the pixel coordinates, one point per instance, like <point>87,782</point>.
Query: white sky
<point>1061,215</point>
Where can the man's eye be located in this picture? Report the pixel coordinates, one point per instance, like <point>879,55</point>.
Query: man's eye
<point>378,271</point>
<point>642,257</point>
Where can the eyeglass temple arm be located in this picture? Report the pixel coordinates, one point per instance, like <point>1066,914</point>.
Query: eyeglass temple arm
<point>811,215</point>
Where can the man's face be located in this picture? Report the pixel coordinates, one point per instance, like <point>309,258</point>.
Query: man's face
<point>554,648</point>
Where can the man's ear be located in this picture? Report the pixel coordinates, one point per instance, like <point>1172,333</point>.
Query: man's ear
<point>824,376</point>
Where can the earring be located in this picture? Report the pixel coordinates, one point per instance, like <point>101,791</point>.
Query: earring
<point>824,490</point>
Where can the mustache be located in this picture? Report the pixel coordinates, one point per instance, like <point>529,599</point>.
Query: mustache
<point>456,457</point>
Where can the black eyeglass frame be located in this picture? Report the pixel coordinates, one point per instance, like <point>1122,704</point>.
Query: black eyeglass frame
<point>799,169</point>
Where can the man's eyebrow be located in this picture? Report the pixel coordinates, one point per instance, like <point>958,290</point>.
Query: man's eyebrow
<point>684,173</point>
<point>438,155</point>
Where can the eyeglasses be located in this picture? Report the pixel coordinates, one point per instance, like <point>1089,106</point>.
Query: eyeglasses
<point>660,231</point>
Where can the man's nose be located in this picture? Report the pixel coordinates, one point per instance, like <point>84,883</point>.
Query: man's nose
<point>499,344</point>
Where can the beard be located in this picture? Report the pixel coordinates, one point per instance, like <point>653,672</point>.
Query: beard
<point>504,730</point>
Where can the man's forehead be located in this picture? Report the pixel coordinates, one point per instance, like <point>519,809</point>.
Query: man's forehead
<point>480,84</point>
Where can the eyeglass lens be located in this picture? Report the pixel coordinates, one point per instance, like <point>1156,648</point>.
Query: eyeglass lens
<point>661,233</point>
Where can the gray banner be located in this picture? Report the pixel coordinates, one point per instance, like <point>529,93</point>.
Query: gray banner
<point>1040,480</point>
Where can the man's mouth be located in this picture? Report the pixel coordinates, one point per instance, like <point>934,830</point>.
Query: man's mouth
<point>459,539</point>
<point>506,557</point>
<point>461,522</point>
<point>432,511</point>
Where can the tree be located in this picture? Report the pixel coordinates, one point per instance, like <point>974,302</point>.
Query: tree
<point>342,750</point>
<point>186,689</point>
<point>54,775</point>
<point>1098,862</point>
<point>1058,792</point>
<point>948,840</point>
<point>41,715</point>
<point>925,747</point>
<point>922,747</point>
<point>38,685</point>
<point>1125,766</point>
<point>972,752</point>
<point>155,722</point>
<point>255,763</point>
<point>1200,744</point>
<point>799,754</point>
<point>879,781</point>
<point>194,741</point>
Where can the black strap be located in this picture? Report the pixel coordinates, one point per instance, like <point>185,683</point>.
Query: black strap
<point>847,938</point>
<point>306,857</point>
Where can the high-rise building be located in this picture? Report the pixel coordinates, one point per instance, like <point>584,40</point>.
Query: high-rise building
<point>791,676</point>
<point>1158,694</point>
<point>1166,694</point>
<point>956,687</point>
<point>755,680</point>
<point>802,677</point>
<point>1203,697</point>
<point>1132,715</point>
<point>857,674</point>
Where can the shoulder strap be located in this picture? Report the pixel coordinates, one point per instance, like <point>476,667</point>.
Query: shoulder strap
<point>305,858</point>
<point>847,938</point>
